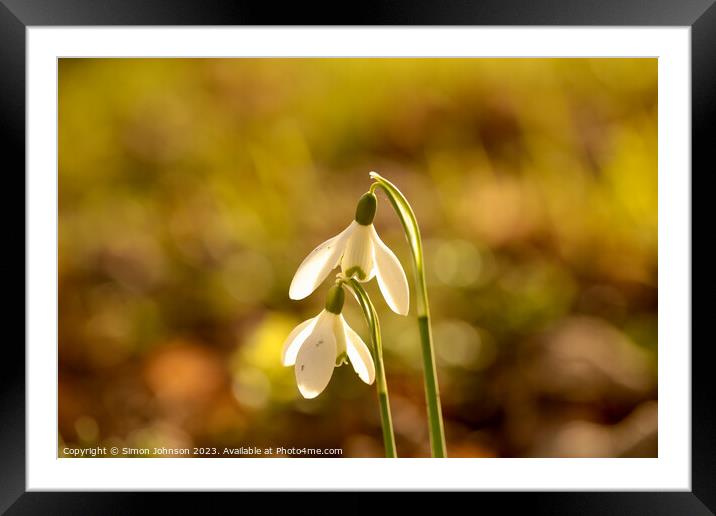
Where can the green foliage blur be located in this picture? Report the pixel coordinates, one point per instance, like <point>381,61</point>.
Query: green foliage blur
<point>191,189</point>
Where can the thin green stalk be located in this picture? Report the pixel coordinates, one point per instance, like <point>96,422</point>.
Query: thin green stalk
<point>412,232</point>
<point>377,349</point>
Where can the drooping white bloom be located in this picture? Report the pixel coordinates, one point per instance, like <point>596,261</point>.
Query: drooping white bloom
<point>362,255</point>
<point>317,346</point>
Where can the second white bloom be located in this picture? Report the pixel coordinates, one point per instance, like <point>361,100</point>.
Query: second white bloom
<point>317,346</point>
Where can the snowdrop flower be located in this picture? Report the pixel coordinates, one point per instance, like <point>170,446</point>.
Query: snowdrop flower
<point>320,344</point>
<point>361,254</point>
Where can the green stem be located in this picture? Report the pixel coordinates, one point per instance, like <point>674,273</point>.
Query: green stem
<point>412,232</point>
<point>377,348</point>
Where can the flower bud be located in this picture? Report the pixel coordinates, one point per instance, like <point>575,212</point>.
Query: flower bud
<point>334,300</point>
<point>365,211</point>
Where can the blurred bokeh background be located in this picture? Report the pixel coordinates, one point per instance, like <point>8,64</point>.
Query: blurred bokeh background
<point>191,189</point>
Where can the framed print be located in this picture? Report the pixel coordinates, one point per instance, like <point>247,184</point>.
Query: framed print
<point>425,249</point>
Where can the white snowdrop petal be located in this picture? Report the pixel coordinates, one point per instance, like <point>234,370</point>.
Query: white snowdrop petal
<point>391,277</point>
<point>316,358</point>
<point>340,335</point>
<point>358,254</point>
<point>294,340</point>
<point>316,266</point>
<point>359,354</point>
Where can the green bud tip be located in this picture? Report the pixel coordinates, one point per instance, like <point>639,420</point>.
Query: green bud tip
<point>341,359</point>
<point>365,211</point>
<point>335,298</point>
<point>355,271</point>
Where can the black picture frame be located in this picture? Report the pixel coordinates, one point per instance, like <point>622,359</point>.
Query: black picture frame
<point>17,15</point>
